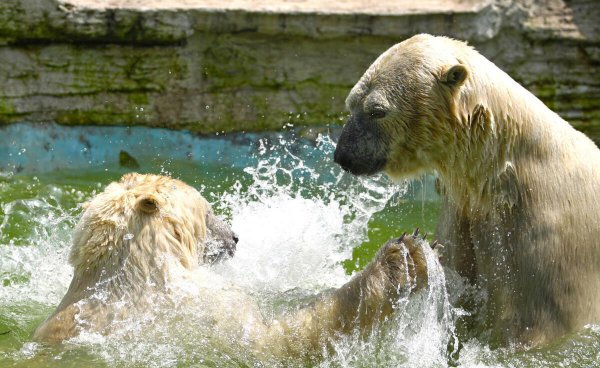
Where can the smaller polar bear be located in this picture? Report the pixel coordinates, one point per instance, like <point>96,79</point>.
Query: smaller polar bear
<point>145,231</point>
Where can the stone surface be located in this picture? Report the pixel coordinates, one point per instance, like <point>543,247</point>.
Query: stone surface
<point>253,65</point>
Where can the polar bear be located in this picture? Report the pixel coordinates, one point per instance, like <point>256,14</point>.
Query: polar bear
<point>521,187</point>
<point>133,237</point>
<point>145,231</point>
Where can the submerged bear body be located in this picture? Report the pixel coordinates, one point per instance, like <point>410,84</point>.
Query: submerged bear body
<point>148,237</point>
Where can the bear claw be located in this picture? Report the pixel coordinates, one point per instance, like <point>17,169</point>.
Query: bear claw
<point>416,233</point>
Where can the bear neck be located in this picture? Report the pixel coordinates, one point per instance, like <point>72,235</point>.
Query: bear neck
<point>129,269</point>
<point>503,126</point>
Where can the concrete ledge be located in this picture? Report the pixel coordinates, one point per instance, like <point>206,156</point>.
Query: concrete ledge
<point>174,21</point>
<point>258,65</point>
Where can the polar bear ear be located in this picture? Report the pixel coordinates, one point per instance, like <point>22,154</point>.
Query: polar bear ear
<point>147,204</point>
<point>454,75</point>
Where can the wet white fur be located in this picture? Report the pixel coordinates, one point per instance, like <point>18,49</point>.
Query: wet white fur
<point>143,238</point>
<point>521,186</point>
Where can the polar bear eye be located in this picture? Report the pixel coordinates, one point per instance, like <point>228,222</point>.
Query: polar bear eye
<point>377,114</point>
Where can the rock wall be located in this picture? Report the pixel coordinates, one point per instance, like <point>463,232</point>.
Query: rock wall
<point>258,65</point>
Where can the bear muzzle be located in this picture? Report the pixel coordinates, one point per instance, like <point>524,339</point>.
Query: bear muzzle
<point>361,150</point>
<point>221,242</point>
<point>355,165</point>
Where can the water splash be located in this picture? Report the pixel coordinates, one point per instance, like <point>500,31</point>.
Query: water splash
<point>34,244</point>
<point>418,334</point>
<point>297,219</point>
<point>296,223</point>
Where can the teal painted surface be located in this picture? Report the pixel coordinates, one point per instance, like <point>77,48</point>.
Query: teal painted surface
<point>31,148</point>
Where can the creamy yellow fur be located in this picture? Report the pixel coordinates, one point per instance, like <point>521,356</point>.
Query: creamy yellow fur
<point>119,247</point>
<point>521,186</point>
<point>145,231</point>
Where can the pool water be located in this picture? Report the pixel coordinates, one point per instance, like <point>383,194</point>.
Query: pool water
<point>304,227</point>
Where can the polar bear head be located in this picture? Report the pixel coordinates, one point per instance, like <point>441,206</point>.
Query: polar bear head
<point>403,114</point>
<point>142,225</point>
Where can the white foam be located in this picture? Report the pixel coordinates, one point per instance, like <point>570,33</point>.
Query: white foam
<point>287,242</point>
<point>296,223</point>
<point>37,270</point>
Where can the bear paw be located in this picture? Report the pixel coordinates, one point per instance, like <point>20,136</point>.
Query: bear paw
<point>404,261</point>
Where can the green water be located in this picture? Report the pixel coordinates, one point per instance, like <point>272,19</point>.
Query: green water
<point>45,206</point>
<point>64,191</point>
<point>38,212</point>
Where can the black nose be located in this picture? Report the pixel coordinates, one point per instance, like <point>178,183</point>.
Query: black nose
<point>337,156</point>
<point>341,159</point>
<point>235,238</point>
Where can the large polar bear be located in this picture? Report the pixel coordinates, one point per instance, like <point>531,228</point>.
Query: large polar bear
<point>521,187</point>
<point>143,233</point>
